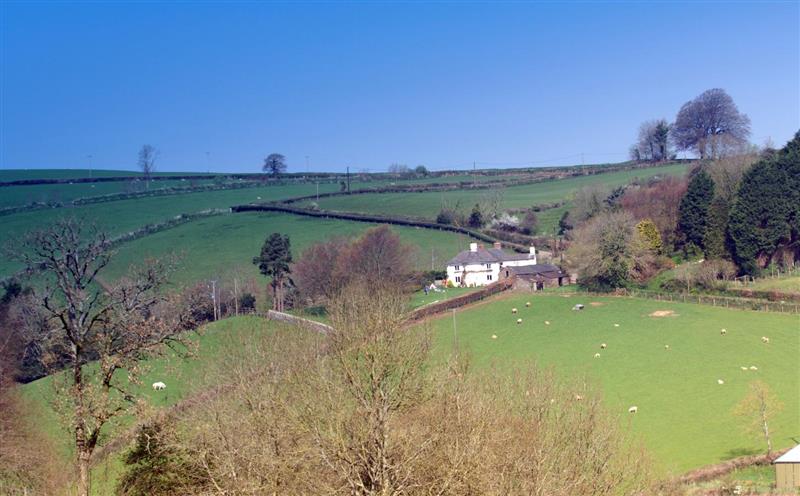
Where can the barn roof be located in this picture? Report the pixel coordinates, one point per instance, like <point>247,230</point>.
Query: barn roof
<point>538,269</point>
<point>791,456</point>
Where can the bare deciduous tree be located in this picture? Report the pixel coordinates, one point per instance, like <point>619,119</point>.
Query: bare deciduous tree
<point>274,164</point>
<point>653,142</point>
<point>710,125</point>
<point>147,161</point>
<point>102,332</point>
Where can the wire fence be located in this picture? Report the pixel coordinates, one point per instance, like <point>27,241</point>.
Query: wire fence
<point>769,273</point>
<point>717,301</point>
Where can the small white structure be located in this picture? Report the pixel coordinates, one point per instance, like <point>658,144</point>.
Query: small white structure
<point>159,386</point>
<point>787,470</point>
<point>480,266</point>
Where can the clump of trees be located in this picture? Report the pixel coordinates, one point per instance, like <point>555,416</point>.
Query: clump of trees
<point>363,412</point>
<point>710,125</point>
<point>377,258</point>
<point>274,262</point>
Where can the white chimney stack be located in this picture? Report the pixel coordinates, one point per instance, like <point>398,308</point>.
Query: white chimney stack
<point>473,247</point>
<point>532,255</point>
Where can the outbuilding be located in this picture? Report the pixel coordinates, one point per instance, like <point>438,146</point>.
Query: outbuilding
<point>787,469</point>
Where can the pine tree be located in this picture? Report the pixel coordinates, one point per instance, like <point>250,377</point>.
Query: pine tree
<point>765,218</point>
<point>715,239</point>
<point>274,260</point>
<point>693,210</point>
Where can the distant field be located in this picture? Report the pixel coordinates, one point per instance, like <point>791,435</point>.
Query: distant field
<point>18,174</point>
<point>684,416</point>
<point>62,193</point>
<point>126,215</point>
<point>428,204</point>
<point>216,245</point>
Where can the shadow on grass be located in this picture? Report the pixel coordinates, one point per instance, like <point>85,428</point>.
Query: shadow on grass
<point>737,452</point>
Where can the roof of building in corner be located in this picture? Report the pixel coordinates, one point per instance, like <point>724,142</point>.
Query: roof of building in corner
<point>791,456</point>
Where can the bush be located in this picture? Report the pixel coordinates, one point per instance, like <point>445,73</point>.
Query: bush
<point>447,216</point>
<point>247,303</point>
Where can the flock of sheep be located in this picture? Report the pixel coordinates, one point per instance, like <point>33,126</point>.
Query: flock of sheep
<point>634,408</point>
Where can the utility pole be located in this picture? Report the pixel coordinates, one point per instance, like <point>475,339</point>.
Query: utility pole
<point>208,162</point>
<point>89,157</point>
<point>317,192</point>
<point>348,179</point>
<point>236,295</point>
<point>455,332</point>
<point>214,297</point>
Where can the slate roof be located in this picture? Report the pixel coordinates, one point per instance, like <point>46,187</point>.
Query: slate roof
<point>486,255</point>
<point>545,270</point>
<point>791,456</point>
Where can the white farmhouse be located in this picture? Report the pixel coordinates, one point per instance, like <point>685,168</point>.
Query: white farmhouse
<point>480,266</point>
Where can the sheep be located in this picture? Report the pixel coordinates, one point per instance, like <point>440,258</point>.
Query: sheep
<point>744,368</point>
<point>597,355</point>
<point>753,367</point>
<point>159,386</point>
<point>527,304</point>
<point>578,397</point>
<point>723,332</point>
<point>513,310</point>
<point>494,336</point>
<point>764,339</point>
<point>519,321</point>
<point>546,322</point>
<point>633,409</point>
<point>603,346</point>
<point>720,382</point>
<point>616,325</point>
<point>666,347</point>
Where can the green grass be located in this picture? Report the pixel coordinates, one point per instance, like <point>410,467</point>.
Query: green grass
<point>685,417</point>
<point>62,193</point>
<point>428,204</point>
<point>419,298</point>
<point>787,284</point>
<point>213,246</point>
<point>122,216</point>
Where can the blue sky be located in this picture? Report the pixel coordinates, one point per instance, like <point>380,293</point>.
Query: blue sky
<point>218,86</point>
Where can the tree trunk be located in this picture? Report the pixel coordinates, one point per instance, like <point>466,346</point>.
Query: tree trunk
<point>84,479</point>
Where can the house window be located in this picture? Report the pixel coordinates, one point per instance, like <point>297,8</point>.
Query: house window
<point>457,267</point>
<point>488,266</point>
<point>458,279</point>
<point>488,277</point>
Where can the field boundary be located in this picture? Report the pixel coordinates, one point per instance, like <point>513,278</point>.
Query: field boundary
<point>374,219</point>
<point>437,308</point>
<point>710,472</point>
<point>297,321</point>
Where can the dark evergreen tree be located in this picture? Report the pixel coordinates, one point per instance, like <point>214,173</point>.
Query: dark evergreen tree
<point>274,260</point>
<point>765,218</point>
<point>693,210</point>
<point>715,239</point>
<point>476,220</point>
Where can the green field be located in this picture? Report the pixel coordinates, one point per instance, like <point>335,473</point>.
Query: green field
<point>788,284</point>
<point>122,216</point>
<point>428,204</point>
<point>684,415</point>
<point>214,246</point>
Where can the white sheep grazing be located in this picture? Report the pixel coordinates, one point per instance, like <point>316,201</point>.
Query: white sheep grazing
<point>764,339</point>
<point>723,332</point>
<point>159,386</point>
<point>513,310</point>
<point>743,368</point>
<point>519,321</point>
<point>720,382</point>
<point>616,325</point>
<point>528,304</point>
<point>633,409</point>
<point>578,397</point>
<point>603,346</point>
<point>494,336</point>
<point>753,367</point>
<point>597,355</point>
<point>546,322</point>
<point>666,346</point>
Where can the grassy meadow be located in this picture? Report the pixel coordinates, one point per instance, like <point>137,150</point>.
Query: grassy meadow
<point>428,204</point>
<point>685,417</point>
<point>214,246</point>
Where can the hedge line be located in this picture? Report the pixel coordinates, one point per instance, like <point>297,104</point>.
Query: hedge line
<point>766,295</point>
<point>375,219</point>
<point>460,301</point>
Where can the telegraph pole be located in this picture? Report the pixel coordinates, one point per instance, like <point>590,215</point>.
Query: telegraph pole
<point>214,297</point>
<point>348,179</point>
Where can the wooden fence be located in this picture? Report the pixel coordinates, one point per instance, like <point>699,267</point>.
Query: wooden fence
<point>717,301</point>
